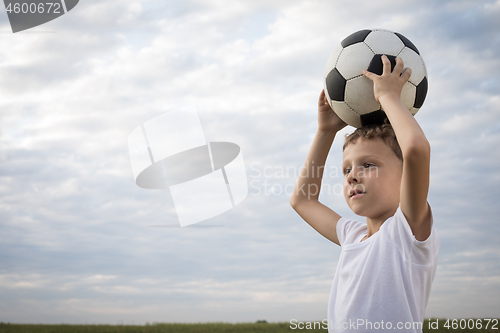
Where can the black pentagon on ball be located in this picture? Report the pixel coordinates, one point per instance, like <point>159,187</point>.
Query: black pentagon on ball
<point>377,66</point>
<point>407,42</point>
<point>354,38</point>
<point>373,118</point>
<point>335,85</point>
<point>421,93</point>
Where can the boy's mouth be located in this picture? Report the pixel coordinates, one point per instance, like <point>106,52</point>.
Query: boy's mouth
<point>356,192</point>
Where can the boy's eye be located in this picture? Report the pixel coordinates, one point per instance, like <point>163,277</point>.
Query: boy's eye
<point>347,170</point>
<point>367,165</point>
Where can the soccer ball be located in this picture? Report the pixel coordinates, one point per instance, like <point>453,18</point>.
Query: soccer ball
<point>350,93</point>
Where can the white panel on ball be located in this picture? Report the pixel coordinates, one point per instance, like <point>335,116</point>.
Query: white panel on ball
<point>384,42</point>
<point>346,113</point>
<point>332,60</point>
<point>412,60</point>
<point>408,95</point>
<point>414,110</point>
<point>359,95</point>
<point>353,60</point>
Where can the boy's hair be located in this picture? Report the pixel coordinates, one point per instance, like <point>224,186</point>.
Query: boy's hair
<point>385,132</point>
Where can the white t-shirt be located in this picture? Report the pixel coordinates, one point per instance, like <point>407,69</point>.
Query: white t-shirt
<point>382,283</point>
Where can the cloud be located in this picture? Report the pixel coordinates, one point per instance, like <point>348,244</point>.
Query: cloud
<point>77,244</point>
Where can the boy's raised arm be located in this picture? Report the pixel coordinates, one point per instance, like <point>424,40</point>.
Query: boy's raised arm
<point>304,199</point>
<point>413,143</point>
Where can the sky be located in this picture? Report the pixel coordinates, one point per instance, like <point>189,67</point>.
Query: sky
<point>81,243</point>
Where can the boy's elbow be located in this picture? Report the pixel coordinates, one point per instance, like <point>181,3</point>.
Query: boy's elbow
<point>294,201</point>
<point>417,149</point>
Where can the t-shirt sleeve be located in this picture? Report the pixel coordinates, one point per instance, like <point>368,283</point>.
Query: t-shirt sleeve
<point>341,229</point>
<point>348,230</point>
<point>419,252</point>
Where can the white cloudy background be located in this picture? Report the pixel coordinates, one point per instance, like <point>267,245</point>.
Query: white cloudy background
<point>76,242</point>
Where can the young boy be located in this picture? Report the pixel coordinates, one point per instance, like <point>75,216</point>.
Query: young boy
<point>386,266</point>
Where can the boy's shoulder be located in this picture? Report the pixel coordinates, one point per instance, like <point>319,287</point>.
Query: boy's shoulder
<point>348,231</point>
<point>395,230</point>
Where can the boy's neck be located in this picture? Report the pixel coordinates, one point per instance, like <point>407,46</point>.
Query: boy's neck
<point>373,227</point>
<point>374,224</point>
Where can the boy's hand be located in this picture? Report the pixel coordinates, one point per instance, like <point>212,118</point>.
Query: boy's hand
<point>389,84</point>
<point>328,120</point>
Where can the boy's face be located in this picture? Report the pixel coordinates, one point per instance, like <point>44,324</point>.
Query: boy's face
<point>372,178</point>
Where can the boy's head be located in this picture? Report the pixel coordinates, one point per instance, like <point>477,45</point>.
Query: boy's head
<point>384,132</point>
<point>372,167</point>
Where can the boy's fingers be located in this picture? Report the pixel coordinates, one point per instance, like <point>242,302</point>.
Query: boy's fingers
<point>406,74</point>
<point>387,65</point>
<point>399,65</point>
<point>322,98</point>
<point>369,75</point>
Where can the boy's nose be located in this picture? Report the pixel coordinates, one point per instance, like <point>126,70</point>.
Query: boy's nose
<point>354,176</point>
